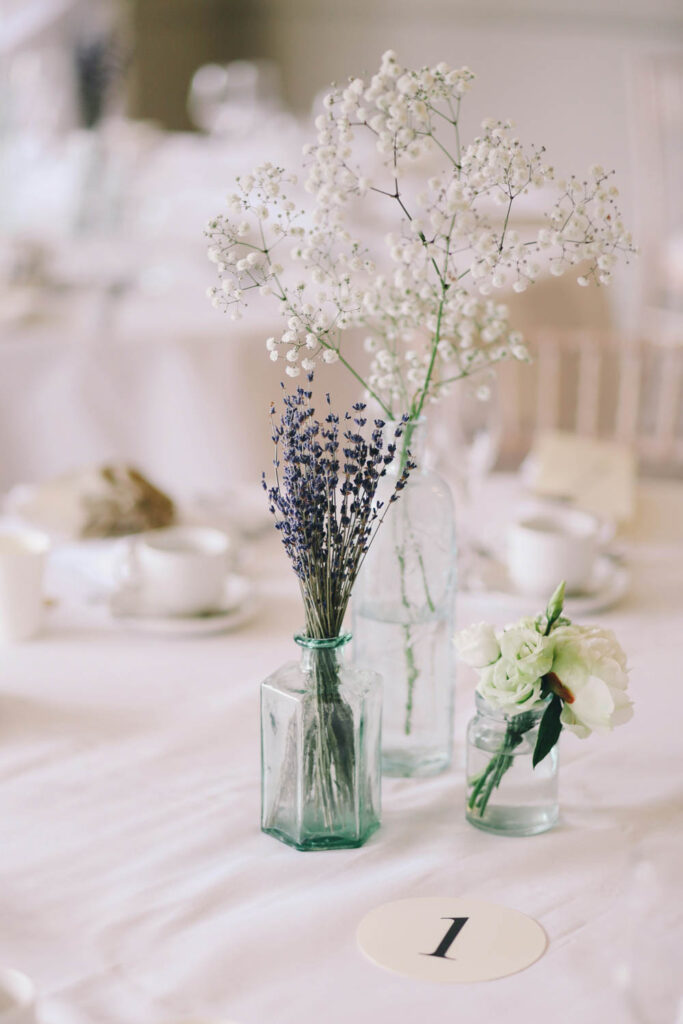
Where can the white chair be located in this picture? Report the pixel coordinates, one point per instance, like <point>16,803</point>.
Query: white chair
<point>600,386</point>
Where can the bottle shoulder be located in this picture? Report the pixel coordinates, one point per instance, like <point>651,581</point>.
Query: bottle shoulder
<point>424,482</point>
<point>291,681</point>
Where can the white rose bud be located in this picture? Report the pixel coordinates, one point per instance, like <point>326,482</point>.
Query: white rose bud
<point>477,645</point>
<point>505,687</point>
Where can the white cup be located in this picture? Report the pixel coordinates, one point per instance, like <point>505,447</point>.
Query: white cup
<point>548,547</point>
<point>17,997</point>
<point>179,570</point>
<point>22,567</point>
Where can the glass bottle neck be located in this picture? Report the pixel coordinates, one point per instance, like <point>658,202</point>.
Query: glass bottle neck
<point>315,651</point>
<point>485,709</point>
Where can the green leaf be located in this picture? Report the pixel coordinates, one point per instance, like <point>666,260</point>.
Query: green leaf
<point>549,730</point>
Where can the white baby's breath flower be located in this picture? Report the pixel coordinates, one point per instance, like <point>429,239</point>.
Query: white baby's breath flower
<point>446,262</point>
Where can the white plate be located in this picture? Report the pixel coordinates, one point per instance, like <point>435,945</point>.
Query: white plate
<point>610,582</point>
<point>129,610</point>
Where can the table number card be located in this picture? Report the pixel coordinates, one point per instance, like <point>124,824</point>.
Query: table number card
<point>450,940</point>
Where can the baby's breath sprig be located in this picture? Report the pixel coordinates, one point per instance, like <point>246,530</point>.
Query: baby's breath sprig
<point>426,300</point>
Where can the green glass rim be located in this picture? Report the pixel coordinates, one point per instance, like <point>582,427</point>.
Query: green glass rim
<point>315,643</point>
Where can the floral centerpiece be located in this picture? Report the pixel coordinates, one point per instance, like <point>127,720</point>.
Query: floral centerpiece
<point>536,676</point>
<point>427,298</point>
<point>321,719</point>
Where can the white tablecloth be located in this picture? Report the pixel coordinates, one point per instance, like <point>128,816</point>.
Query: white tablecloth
<point>136,887</point>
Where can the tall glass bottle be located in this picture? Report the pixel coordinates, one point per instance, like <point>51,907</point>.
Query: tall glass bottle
<point>403,612</point>
<point>320,749</point>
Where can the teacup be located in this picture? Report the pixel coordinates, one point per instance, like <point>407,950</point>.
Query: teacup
<point>179,570</point>
<point>547,547</point>
<point>22,567</point>
<point>17,997</point>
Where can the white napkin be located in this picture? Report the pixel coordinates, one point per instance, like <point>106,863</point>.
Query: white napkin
<point>595,475</point>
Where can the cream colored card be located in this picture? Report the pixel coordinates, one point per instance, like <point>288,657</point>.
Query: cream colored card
<point>598,476</point>
<point>450,940</point>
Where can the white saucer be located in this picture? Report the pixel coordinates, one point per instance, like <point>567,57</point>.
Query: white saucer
<point>129,610</point>
<point>610,582</point>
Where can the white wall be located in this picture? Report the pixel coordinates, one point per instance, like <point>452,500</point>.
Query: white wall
<point>563,70</point>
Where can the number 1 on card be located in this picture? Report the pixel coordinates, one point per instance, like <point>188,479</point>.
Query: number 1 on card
<point>450,937</point>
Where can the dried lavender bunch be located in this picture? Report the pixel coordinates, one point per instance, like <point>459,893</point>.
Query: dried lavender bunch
<point>324,500</point>
<point>325,503</point>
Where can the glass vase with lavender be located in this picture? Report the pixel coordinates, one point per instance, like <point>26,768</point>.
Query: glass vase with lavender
<point>321,716</point>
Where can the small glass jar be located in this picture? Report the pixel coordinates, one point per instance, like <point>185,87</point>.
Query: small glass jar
<point>320,749</point>
<point>505,793</point>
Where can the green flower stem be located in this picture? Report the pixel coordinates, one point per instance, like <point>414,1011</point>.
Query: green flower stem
<point>413,672</point>
<point>430,603</point>
<point>477,782</point>
<point>331,747</point>
<point>385,409</point>
<point>484,784</point>
<point>435,346</point>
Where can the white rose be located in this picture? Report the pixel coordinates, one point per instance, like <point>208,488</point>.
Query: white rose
<point>591,668</point>
<point>530,650</point>
<point>503,686</point>
<point>477,645</point>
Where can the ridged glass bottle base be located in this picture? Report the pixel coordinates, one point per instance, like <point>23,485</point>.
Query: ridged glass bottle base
<point>323,842</point>
<point>515,821</point>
